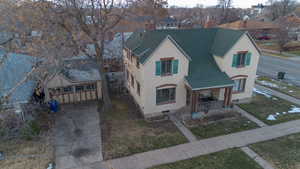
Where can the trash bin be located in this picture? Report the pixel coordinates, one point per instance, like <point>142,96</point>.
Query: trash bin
<point>280,75</point>
<point>54,105</point>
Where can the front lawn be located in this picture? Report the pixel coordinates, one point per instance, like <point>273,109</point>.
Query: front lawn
<point>234,124</point>
<point>280,86</point>
<point>22,154</point>
<point>295,52</point>
<point>283,153</point>
<point>125,132</point>
<point>228,159</point>
<point>261,107</point>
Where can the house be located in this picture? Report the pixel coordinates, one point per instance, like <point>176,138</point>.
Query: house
<point>77,81</point>
<point>13,70</point>
<point>167,70</point>
<point>257,29</point>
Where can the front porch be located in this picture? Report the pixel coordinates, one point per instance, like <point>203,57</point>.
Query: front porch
<point>208,100</point>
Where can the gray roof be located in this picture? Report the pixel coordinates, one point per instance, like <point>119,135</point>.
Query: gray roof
<point>5,37</point>
<point>81,70</point>
<point>13,70</point>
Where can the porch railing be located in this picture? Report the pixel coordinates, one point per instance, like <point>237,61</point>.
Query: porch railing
<point>210,105</point>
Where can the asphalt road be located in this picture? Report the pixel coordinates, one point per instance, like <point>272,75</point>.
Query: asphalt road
<point>270,65</point>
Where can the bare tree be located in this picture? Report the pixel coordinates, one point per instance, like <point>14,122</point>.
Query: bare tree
<point>225,6</point>
<point>280,8</point>
<point>87,22</point>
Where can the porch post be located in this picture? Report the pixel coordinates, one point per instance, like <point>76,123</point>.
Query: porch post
<point>227,96</point>
<point>194,101</point>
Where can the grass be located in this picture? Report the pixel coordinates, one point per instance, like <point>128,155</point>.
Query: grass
<point>228,159</point>
<point>18,154</point>
<point>282,86</point>
<point>296,52</point>
<point>126,133</point>
<point>223,127</point>
<point>283,153</point>
<point>261,107</point>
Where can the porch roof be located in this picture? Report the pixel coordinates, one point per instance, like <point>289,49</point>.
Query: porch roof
<point>209,80</point>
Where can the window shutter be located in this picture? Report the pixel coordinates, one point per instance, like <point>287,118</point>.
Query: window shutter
<point>235,60</point>
<point>248,58</point>
<point>175,66</point>
<point>158,68</point>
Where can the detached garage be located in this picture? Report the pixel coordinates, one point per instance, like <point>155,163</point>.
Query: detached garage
<point>78,81</point>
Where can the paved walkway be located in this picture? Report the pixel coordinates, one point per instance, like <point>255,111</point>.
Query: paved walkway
<point>250,116</point>
<point>278,94</point>
<point>205,146</point>
<point>263,163</point>
<point>78,137</point>
<point>186,132</point>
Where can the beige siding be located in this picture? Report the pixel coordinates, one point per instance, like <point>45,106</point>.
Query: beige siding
<point>165,50</point>
<point>225,64</point>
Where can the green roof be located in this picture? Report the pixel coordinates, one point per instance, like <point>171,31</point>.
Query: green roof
<point>198,44</point>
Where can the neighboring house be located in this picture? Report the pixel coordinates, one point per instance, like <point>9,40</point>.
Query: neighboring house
<point>79,80</point>
<point>168,23</point>
<point>257,29</point>
<point>167,70</point>
<point>13,70</point>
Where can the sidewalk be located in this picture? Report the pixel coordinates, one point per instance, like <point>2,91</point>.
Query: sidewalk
<point>263,163</point>
<point>278,94</point>
<point>205,146</point>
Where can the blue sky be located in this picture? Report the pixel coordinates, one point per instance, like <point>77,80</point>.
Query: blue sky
<point>236,3</point>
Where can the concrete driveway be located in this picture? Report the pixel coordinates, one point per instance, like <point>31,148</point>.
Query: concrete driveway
<point>78,137</point>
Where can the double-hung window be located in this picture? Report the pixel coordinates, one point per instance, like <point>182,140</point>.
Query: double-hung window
<point>166,67</point>
<point>239,85</point>
<point>165,96</point>
<point>241,59</point>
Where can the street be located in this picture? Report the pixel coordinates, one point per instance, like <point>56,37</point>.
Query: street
<point>269,66</point>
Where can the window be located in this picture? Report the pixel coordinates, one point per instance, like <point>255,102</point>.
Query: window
<point>241,59</point>
<point>55,91</point>
<point>127,74</point>
<point>165,96</point>
<point>79,88</point>
<point>90,87</point>
<point>132,81</point>
<point>67,89</point>
<point>239,85</point>
<point>138,88</point>
<point>166,67</point>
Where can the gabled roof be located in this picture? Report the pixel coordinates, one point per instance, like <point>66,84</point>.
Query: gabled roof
<point>199,44</point>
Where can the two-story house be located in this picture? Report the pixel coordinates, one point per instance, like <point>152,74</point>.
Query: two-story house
<point>167,70</point>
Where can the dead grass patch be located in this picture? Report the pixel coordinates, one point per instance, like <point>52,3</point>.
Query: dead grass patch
<point>125,132</point>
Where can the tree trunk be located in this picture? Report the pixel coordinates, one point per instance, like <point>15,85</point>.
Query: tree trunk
<point>107,105</point>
